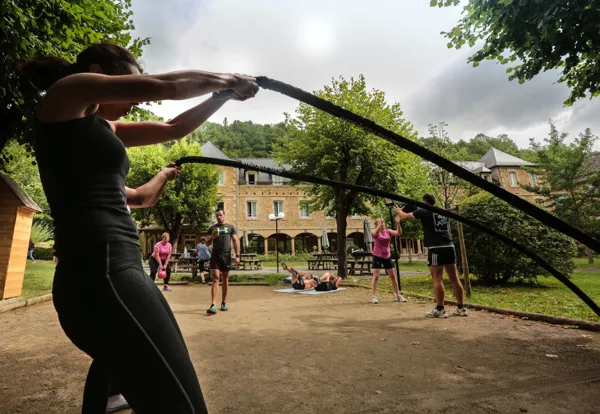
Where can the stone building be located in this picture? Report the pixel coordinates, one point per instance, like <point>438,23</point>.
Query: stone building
<point>248,197</point>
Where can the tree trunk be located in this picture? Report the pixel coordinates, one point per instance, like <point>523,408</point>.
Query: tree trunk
<point>341,211</point>
<point>410,247</point>
<point>590,255</point>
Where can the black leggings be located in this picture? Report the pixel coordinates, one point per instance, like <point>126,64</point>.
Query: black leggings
<point>153,263</point>
<point>117,315</point>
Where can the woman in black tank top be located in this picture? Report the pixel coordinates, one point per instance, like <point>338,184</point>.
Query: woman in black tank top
<point>106,304</point>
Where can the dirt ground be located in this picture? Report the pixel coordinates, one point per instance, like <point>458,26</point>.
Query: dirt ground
<point>335,353</point>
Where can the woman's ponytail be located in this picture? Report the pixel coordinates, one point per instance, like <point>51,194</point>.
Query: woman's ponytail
<point>43,73</point>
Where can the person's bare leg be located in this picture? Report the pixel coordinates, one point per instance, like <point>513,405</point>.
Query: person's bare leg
<point>337,281</point>
<point>459,292</point>
<point>392,273</point>
<point>225,285</point>
<point>326,277</point>
<point>374,282</point>
<point>437,273</point>
<point>214,291</point>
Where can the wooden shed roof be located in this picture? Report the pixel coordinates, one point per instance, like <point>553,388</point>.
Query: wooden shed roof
<point>21,195</point>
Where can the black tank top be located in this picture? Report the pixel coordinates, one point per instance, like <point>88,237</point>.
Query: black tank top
<point>83,166</point>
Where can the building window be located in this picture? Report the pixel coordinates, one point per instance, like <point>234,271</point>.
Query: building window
<point>513,179</point>
<point>533,179</point>
<point>277,180</point>
<point>251,209</point>
<point>277,207</point>
<point>252,178</point>
<point>304,211</point>
<point>222,177</point>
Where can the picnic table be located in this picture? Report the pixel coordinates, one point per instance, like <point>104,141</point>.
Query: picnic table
<point>324,261</point>
<point>186,264</point>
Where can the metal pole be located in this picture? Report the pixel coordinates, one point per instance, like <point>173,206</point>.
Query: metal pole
<point>397,254</point>
<point>277,241</point>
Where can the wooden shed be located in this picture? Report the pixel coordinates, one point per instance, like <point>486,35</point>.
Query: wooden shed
<point>16,218</point>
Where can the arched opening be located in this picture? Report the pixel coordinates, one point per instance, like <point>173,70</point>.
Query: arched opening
<point>284,243</point>
<point>356,240</point>
<point>306,243</point>
<point>333,239</point>
<point>256,244</point>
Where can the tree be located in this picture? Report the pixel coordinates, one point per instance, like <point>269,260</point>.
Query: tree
<point>506,264</point>
<point>319,144</point>
<point>34,28</point>
<point>19,164</point>
<point>571,183</point>
<point>480,144</point>
<point>188,201</point>
<point>241,139</point>
<point>535,36</point>
<point>447,188</point>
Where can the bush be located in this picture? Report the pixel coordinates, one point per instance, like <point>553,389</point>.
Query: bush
<point>40,232</point>
<point>495,263</point>
<point>42,253</point>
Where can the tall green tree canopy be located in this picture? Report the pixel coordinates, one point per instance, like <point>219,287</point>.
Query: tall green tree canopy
<point>241,139</point>
<point>188,201</point>
<point>572,178</point>
<point>38,28</point>
<point>534,36</point>
<point>319,144</point>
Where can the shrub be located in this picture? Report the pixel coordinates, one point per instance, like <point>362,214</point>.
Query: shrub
<point>42,253</point>
<point>495,263</point>
<point>40,233</point>
<point>285,257</point>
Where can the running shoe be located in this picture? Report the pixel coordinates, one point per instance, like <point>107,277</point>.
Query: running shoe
<point>224,307</point>
<point>400,298</point>
<point>374,299</point>
<point>461,312</point>
<point>284,266</point>
<point>435,313</point>
<point>167,289</point>
<point>212,310</point>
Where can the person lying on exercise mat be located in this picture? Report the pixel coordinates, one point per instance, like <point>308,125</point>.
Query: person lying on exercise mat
<point>306,281</point>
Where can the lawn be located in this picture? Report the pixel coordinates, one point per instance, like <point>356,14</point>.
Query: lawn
<point>582,262</point>
<point>551,297</point>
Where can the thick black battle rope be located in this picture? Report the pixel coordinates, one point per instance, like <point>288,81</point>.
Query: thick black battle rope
<point>370,126</point>
<point>316,180</point>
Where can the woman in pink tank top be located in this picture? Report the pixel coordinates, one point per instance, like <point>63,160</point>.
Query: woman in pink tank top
<point>160,260</point>
<point>382,257</point>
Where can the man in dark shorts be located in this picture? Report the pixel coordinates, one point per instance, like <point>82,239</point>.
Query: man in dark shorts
<point>441,255</point>
<point>221,236</point>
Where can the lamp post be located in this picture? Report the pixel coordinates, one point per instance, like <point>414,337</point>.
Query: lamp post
<point>276,219</point>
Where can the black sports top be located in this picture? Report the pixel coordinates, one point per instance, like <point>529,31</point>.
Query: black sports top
<point>83,166</point>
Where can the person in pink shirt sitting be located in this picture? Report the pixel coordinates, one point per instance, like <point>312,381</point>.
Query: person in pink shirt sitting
<point>160,260</point>
<point>382,257</point>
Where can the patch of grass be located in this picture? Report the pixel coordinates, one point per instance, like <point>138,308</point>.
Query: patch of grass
<point>38,278</point>
<point>550,297</point>
<point>582,263</point>
<point>271,279</point>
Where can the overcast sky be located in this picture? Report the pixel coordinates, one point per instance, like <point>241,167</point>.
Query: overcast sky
<point>396,44</point>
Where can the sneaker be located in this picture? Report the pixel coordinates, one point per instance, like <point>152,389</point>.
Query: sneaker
<point>400,298</point>
<point>374,299</point>
<point>284,266</point>
<point>167,289</point>
<point>435,313</point>
<point>224,307</point>
<point>212,310</point>
<point>116,403</point>
<point>461,312</point>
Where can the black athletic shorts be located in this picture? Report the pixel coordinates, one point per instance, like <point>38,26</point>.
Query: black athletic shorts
<point>298,285</point>
<point>379,263</point>
<point>221,262</point>
<point>326,287</point>
<point>440,256</point>
<point>202,265</point>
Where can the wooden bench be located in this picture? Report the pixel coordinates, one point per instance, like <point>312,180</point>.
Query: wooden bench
<point>354,270</point>
<point>312,264</point>
<point>251,264</point>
